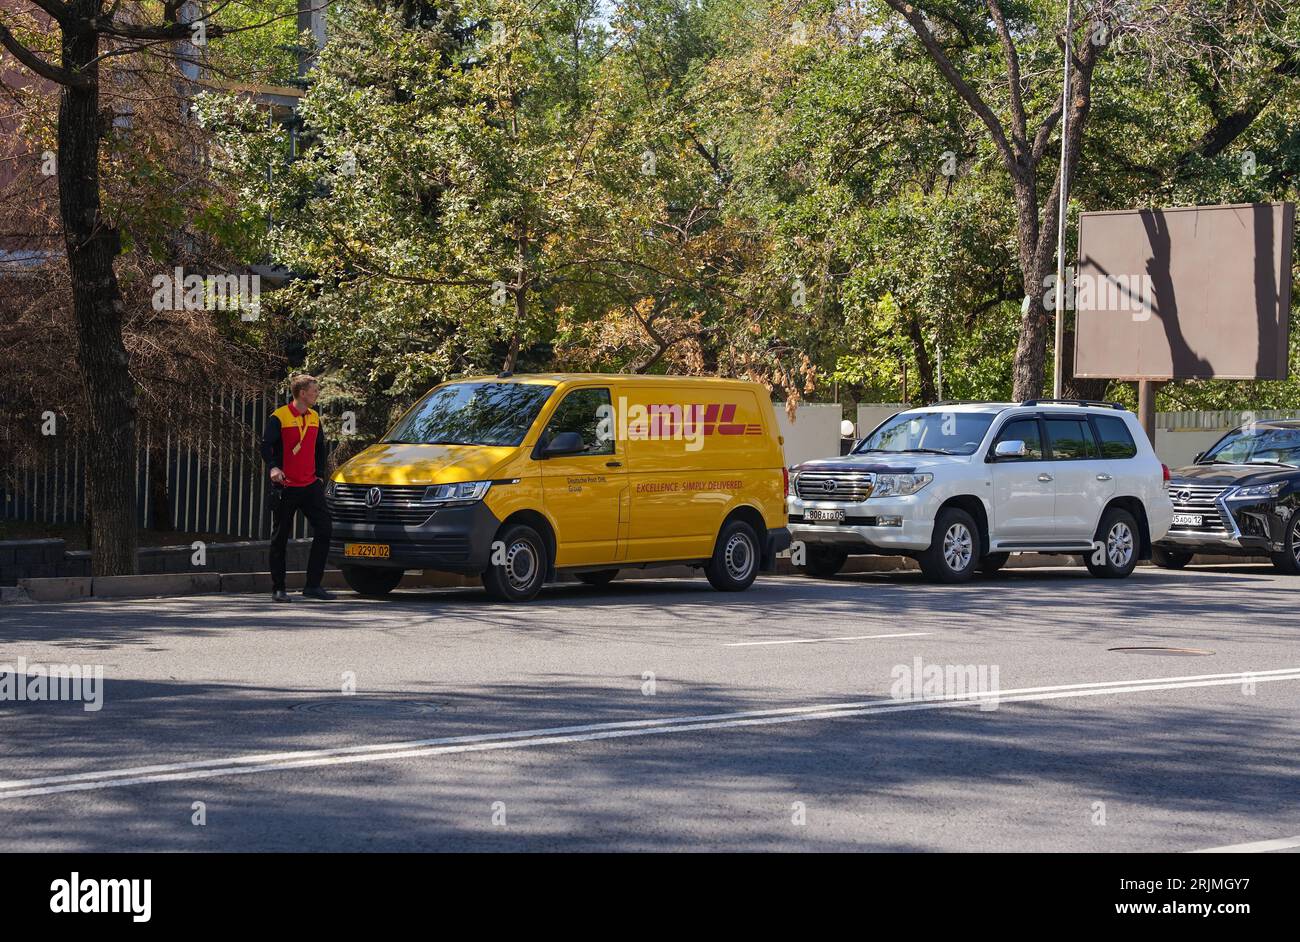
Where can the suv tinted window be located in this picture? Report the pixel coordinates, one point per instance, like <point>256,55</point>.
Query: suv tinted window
<point>1070,439</point>
<point>581,412</point>
<point>1025,430</point>
<point>1116,442</point>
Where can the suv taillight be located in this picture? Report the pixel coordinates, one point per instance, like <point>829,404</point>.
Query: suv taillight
<point>1165,469</point>
<point>785,480</point>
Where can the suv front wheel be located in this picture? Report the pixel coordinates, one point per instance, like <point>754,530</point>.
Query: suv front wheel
<point>1288,561</point>
<point>1118,552</point>
<point>954,551</point>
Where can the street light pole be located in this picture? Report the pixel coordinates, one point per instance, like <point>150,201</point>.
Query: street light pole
<point>1058,364</point>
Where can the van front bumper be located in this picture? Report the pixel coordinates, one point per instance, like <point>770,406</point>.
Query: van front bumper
<point>864,529</point>
<point>453,539</point>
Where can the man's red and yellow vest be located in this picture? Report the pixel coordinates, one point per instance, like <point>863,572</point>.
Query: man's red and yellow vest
<point>298,434</point>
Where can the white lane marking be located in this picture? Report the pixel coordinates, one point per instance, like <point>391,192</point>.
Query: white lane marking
<point>754,644</point>
<point>1256,847</point>
<point>271,762</point>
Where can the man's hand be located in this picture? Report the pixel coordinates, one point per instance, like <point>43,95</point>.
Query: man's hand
<point>277,476</point>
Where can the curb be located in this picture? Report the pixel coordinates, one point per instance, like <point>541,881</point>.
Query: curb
<point>165,585</point>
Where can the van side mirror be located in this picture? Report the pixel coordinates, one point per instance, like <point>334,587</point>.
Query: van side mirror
<point>1011,448</point>
<point>565,443</point>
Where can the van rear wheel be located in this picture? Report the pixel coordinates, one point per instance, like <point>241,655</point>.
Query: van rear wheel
<point>522,569</point>
<point>370,581</point>
<point>736,555</point>
<point>600,577</point>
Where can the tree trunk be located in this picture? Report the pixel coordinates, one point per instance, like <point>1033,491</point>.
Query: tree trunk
<point>926,391</point>
<point>92,245</point>
<point>1031,348</point>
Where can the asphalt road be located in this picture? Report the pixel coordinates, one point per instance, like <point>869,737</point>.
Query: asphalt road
<point>667,716</point>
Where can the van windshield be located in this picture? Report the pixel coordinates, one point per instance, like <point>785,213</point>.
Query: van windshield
<point>940,433</point>
<point>471,414</point>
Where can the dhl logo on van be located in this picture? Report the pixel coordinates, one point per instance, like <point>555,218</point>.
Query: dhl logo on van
<point>687,422</point>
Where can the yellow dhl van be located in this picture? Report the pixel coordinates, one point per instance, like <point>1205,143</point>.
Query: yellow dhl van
<point>515,477</point>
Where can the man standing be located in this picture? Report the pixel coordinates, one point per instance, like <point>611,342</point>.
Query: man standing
<point>294,447</point>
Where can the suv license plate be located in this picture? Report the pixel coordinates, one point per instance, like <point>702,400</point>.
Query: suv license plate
<point>367,550</point>
<point>830,516</point>
<point>1188,520</point>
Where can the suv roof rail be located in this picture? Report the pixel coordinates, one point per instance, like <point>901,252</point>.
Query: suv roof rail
<point>1077,402</point>
<point>959,402</point>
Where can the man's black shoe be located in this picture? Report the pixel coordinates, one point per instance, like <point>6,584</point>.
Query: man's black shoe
<point>316,592</point>
<point>279,595</point>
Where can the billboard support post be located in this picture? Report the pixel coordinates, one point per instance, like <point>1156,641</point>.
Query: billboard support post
<point>1147,389</point>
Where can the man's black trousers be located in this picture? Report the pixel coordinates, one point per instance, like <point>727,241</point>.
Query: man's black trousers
<point>285,502</point>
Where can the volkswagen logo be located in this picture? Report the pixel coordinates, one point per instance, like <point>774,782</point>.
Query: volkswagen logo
<point>828,485</point>
<point>1184,496</point>
<point>373,497</point>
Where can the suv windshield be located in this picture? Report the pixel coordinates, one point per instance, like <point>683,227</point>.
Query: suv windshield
<point>1260,444</point>
<point>944,433</point>
<point>471,414</point>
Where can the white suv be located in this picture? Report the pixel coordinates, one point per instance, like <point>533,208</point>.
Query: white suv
<point>962,486</point>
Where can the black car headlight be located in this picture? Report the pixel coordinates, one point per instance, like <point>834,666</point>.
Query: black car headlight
<point>1256,491</point>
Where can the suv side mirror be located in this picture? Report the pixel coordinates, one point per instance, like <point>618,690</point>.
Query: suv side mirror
<point>1011,448</point>
<point>565,443</point>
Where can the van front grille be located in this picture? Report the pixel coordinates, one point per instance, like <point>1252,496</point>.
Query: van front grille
<point>835,485</point>
<point>398,504</point>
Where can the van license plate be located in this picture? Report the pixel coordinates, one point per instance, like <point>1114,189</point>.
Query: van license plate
<point>367,550</point>
<point>1188,520</point>
<point>831,516</point>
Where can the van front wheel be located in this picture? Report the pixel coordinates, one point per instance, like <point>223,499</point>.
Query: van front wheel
<point>734,565</point>
<point>517,574</point>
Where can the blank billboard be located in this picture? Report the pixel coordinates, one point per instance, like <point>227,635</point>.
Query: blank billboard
<point>1202,292</point>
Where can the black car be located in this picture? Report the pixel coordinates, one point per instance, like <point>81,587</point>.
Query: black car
<point>1238,499</point>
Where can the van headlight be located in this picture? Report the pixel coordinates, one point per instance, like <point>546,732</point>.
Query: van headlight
<point>899,485</point>
<point>465,492</point>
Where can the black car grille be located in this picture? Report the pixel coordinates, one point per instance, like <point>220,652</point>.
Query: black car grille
<point>398,504</point>
<point>1198,499</point>
<point>834,485</point>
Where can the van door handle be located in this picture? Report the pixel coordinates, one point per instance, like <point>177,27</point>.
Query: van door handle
<point>1045,478</point>
<point>613,464</point>
<point>1103,477</point>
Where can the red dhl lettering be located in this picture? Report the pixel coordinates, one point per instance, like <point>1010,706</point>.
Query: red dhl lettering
<point>706,418</point>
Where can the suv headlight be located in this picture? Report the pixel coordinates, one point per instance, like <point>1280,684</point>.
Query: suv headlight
<point>1256,490</point>
<point>465,492</point>
<point>899,485</point>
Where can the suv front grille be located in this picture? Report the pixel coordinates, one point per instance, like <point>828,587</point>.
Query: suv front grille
<point>398,504</point>
<point>835,485</point>
<point>1198,499</point>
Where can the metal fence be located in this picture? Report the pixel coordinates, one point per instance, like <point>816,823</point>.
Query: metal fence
<point>207,480</point>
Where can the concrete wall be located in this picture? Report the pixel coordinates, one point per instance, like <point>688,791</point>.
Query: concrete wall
<point>814,433</point>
